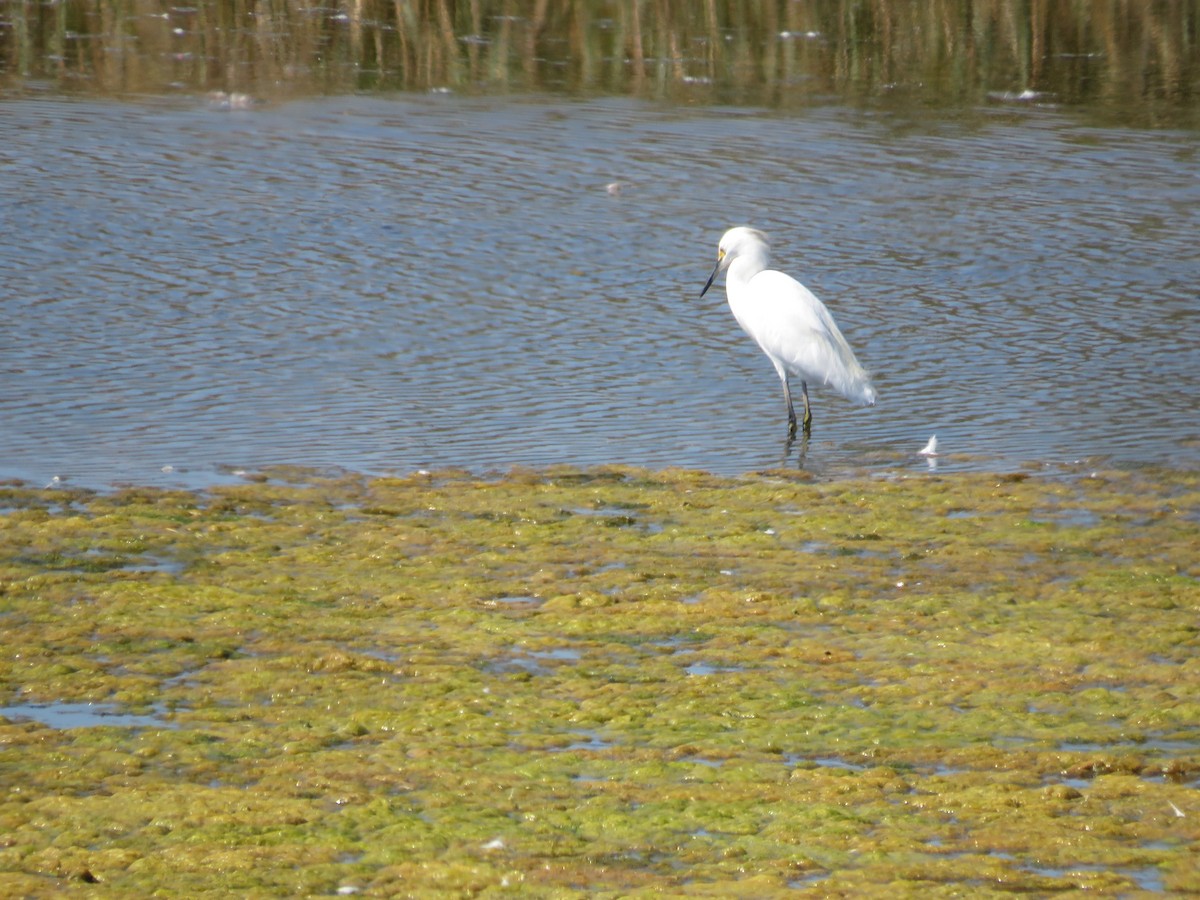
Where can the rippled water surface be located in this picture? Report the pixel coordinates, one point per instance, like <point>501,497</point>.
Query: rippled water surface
<point>386,284</point>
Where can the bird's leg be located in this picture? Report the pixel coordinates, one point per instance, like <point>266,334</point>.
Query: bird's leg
<point>787,396</point>
<point>807,423</point>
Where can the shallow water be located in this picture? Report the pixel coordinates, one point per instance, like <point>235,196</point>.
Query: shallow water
<point>419,281</point>
<point>79,715</point>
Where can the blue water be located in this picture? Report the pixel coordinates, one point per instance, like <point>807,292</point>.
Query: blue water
<point>392,283</point>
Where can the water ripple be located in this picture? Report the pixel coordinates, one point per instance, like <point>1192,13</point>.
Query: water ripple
<point>429,281</point>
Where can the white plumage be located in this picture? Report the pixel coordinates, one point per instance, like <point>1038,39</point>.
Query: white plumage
<point>792,327</point>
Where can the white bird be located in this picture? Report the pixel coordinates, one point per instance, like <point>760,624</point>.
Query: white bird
<point>789,323</point>
<point>929,449</point>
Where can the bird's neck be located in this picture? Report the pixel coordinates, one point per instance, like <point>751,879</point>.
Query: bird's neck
<point>745,267</point>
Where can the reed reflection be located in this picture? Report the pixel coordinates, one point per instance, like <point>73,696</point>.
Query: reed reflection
<point>1140,61</point>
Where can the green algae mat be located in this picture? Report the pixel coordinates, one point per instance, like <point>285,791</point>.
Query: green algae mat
<point>608,682</point>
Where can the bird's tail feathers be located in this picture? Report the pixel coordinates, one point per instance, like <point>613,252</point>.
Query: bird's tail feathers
<point>851,380</point>
<point>855,387</point>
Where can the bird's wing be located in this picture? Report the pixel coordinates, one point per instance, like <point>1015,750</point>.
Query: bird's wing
<point>793,326</point>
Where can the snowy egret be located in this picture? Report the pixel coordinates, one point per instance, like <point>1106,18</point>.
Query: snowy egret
<point>789,323</point>
<point>929,449</point>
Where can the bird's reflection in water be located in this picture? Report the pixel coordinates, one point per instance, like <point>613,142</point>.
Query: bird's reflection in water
<point>800,445</point>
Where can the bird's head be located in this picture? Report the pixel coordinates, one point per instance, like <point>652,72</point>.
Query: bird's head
<point>740,241</point>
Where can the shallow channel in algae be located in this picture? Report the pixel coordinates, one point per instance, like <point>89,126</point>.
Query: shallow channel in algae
<point>607,682</point>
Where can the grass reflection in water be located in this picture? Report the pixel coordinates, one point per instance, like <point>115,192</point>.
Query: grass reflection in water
<point>1141,60</point>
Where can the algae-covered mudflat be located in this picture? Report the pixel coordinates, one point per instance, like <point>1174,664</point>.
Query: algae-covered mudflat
<point>602,682</point>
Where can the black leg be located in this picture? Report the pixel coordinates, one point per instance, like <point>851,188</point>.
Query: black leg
<point>787,396</point>
<point>807,412</point>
